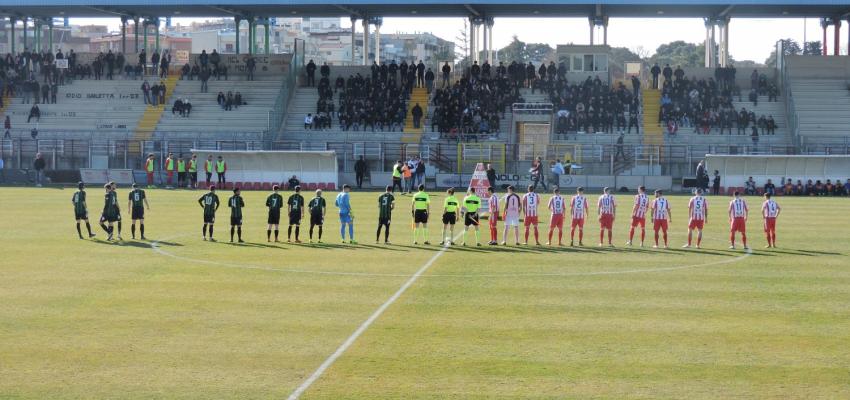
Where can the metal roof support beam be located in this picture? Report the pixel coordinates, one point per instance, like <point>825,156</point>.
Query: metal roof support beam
<point>726,10</point>
<point>472,10</point>
<point>350,11</point>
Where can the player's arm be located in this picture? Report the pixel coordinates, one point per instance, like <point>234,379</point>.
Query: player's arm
<point>147,205</point>
<point>302,208</point>
<point>201,201</point>
<point>778,210</point>
<point>130,203</point>
<point>217,203</point>
<point>730,212</point>
<point>706,211</point>
<point>764,210</point>
<point>613,209</point>
<point>669,214</point>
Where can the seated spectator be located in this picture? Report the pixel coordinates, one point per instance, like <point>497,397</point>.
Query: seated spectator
<point>799,189</point>
<point>177,108</point>
<point>846,190</point>
<point>228,101</point>
<point>196,70</point>
<point>220,99</point>
<point>187,108</point>
<point>237,100</point>
<point>750,187</point>
<point>829,188</point>
<point>818,190</point>
<point>770,188</point>
<point>789,188</point>
<point>308,121</point>
<point>185,71</point>
<point>34,113</point>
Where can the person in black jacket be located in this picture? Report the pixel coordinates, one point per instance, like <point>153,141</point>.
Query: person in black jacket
<point>420,74</point>
<point>311,73</point>
<point>429,80</point>
<point>325,70</point>
<point>360,169</point>
<point>39,164</point>
<point>447,71</point>
<point>416,112</point>
<point>667,72</point>
<point>491,176</point>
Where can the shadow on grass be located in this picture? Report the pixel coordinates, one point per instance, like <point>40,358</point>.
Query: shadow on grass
<point>801,252</point>
<point>254,244</point>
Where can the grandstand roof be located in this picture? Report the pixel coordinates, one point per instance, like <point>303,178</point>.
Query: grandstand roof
<point>396,8</point>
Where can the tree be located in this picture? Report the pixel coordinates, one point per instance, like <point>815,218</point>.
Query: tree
<point>519,51</point>
<point>680,53</point>
<point>813,48</point>
<point>790,47</point>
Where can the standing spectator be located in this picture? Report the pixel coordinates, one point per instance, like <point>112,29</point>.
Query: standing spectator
<point>420,172</point>
<point>620,154</point>
<point>204,59</point>
<point>416,112</point>
<point>155,63</point>
<point>325,70</point>
<point>7,125</point>
<point>429,80</point>
<point>251,65</point>
<point>215,59</point>
<point>667,72</point>
<point>311,73</point>
<point>420,74</point>
<point>360,169</point>
<point>702,176</point>
<point>164,64</point>
<point>655,71</point>
<point>39,164</point>
<point>204,77</point>
<point>557,171</point>
<point>491,176</point>
<point>146,90</point>
<point>770,188</point>
<point>447,71</point>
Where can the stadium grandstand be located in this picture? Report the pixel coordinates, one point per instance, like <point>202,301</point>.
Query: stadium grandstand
<point>506,114</point>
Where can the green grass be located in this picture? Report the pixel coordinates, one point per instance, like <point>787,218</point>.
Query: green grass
<point>91,319</point>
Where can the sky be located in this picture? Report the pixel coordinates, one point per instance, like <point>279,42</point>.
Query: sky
<point>749,39</point>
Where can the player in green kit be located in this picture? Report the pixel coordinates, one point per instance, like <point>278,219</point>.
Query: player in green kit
<point>137,204</point>
<point>317,207</point>
<point>295,204</point>
<point>450,206</point>
<point>111,212</point>
<point>81,212</point>
<point>471,204</point>
<point>420,208</point>
<point>386,204</point>
<point>236,203</point>
<point>274,202</point>
<point>209,202</point>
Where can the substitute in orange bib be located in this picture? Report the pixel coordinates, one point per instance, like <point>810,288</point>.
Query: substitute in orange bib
<point>770,211</point>
<point>738,214</point>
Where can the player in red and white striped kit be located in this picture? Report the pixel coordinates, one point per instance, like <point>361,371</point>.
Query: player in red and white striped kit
<point>639,215</point>
<point>511,214</point>
<point>579,210</point>
<point>770,211</point>
<point>557,207</point>
<point>530,203</point>
<point>738,214</point>
<point>606,208</point>
<point>493,208</point>
<point>698,217</point>
<point>661,217</point>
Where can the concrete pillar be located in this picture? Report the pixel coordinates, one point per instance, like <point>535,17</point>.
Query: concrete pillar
<point>145,36</point>
<point>724,49</point>
<point>824,23</point>
<point>837,23</point>
<point>365,41</point>
<point>24,38</point>
<point>50,34</point>
<point>353,39</point>
<point>12,22</point>
<point>378,41</point>
<point>123,35</point>
<point>492,54</point>
<point>237,21</point>
<point>485,41</point>
<point>156,33</point>
<point>592,26</point>
<point>472,46</point>
<point>709,46</point>
<point>136,33</point>
<point>268,35</point>
<point>605,30</point>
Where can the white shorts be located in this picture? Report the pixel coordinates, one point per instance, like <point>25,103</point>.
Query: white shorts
<point>512,220</point>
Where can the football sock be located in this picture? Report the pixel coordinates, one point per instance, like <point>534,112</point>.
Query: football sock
<point>536,234</point>
<point>560,235</point>
<point>689,237</point>
<point>377,234</point>
<point>526,235</point>
<point>320,232</point>
<point>119,228</point>
<point>289,232</point>
<point>477,236</point>
<point>665,238</point>
<point>631,233</point>
<point>699,238</point>
<point>610,233</point>
<point>239,232</point>
<point>211,231</point>
<point>276,232</point>
<point>142,229</point>
<point>232,231</point>
<point>79,232</point>
<point>297,231</point>
<point>268,234</point>
<point>342,230</point>
<point>105,228</point>
<point>386,233</point>
<point>642,235</point>
<point>205,230</point>
<point>350,231</point>
<point>88,226</point>
<point>133,230</point>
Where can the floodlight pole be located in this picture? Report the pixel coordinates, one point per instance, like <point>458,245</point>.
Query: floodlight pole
<point>237,21</point>
<point>123,34</point>
<point>12,22</point>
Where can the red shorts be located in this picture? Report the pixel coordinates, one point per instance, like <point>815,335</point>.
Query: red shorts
<point>578,223</point>
<point>606,221</point>
<point>532,220</point>
<point>770,224</point>
<point>170,173</point>
<point>696,224</point>
<point>659,224</point>
<point>638,221</point>
<point>739,224</point>
<point>557,221</point>
<point>493,220</point>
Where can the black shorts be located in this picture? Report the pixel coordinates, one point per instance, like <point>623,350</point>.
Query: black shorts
<point>449,218</point>
<point>470,219</point>
<point>110,218</point>
<point>193,176</point>
<point>274,217</point>
<point>80,215</point>
<point>235,221</point>
<point>317,219</point>
<point>138,213</point>
<point>420,216</point>
<point>384,221</point>
<point>295,218</point>
<point>209,218</point>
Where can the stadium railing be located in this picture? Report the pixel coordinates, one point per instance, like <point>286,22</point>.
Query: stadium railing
<point>287,91</point>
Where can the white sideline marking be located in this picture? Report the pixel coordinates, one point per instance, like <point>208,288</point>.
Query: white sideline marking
<point>362,328</point>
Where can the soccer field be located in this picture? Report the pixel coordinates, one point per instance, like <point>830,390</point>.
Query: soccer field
<point>177,317</point>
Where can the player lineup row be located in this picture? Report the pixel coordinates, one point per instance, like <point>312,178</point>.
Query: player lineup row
<point>507,208</point>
